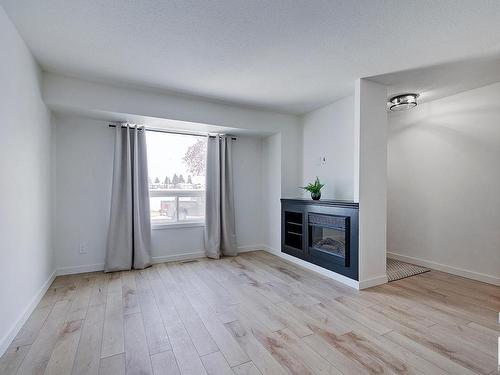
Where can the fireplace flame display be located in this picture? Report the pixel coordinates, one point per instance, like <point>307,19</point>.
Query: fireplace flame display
<point>328,235</point>
<point>331,245</point>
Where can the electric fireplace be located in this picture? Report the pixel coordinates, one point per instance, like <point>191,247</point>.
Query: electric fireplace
<point>322,232</point>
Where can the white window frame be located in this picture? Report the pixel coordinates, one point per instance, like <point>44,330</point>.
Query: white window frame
<point>176,193</point>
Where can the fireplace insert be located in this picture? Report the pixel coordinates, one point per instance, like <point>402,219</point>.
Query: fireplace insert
<point>329,235</point>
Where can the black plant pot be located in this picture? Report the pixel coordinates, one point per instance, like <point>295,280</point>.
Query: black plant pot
<point>316,196</point>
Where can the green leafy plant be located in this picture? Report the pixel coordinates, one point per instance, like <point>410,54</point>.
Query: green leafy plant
<point>315,187</point>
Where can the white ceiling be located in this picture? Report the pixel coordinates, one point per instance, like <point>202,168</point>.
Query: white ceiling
<point>286,55</point>
<point>443,80</point>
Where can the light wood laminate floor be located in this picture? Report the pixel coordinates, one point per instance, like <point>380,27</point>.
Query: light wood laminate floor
<point>256,314</point>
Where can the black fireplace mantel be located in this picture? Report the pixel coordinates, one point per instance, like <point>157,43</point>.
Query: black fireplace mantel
<point>322,202</point>
<point>322,232</point>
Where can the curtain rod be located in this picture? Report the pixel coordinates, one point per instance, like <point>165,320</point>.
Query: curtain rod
<point>173,132</point>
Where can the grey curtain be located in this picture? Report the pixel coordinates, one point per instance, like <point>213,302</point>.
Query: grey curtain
<point>129,235</point>
<point>220,228</point>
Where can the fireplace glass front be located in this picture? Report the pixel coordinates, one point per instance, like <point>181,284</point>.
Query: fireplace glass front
<point>329,235</point>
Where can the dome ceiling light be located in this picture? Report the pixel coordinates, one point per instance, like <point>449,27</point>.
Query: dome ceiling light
<point>403,102</point>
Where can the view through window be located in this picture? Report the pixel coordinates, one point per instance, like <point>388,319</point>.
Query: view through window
<point>176,174</point>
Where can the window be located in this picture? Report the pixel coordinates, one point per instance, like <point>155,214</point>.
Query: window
<point>176,171</point>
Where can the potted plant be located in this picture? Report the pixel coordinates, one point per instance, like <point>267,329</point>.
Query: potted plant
<point>314,189</point>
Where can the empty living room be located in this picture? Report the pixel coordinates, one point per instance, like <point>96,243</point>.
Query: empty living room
<point>249,187</point>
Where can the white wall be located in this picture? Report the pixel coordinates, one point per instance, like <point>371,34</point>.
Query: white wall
<point>84,166</point>
<point>84,169</point>
<point>248,192</point>
<point>329,132</point>
<point>271,192</point>
<point>26,256</point>
<point>444,184</point>
<point>96,99</point>
<point>370,179</point>
<point>291,166</point>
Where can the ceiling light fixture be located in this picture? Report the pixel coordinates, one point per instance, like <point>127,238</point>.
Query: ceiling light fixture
<point>403,102</point>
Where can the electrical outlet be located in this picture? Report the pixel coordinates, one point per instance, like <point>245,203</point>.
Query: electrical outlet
<point>82,249</point>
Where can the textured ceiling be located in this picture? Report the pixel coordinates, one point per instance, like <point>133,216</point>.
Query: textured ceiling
<point>438,81</point>
<point>290,56</point>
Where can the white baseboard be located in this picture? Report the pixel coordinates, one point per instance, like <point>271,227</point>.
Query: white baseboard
<point>244,249</point>
<point>200,254</point>
<point>9,337</point>
<point>490,279</point>
<point>179,257</point>
<point>312,267</point>
<point>71,270</point>
<point>374,281</point>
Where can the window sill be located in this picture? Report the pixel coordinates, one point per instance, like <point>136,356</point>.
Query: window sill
<point>176,225</point>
